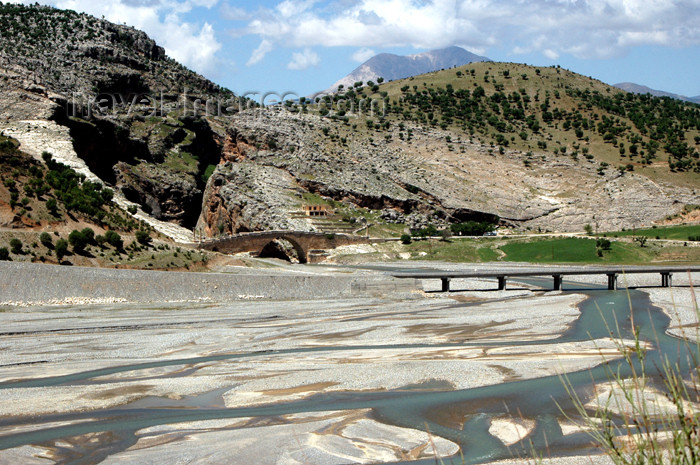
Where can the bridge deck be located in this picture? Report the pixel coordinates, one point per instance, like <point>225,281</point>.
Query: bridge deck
<point>612,273</point>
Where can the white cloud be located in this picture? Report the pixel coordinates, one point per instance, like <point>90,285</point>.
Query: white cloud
<point>233,13</point>
<point>194,48</point>
<point>551,54</point>
<point>584,28</point>
<point>291,8</point>
<point>363,55</point>
<point>305,59</point>
<point>259,53</point>
<point>195,45</point>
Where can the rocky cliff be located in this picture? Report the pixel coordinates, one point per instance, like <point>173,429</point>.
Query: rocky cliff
<point>130,110</point>
<point>275,158</point>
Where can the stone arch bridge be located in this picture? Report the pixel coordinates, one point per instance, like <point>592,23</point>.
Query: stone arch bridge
<point>306,244</point>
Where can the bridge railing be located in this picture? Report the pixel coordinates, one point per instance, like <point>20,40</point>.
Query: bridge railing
<point>612,274</point>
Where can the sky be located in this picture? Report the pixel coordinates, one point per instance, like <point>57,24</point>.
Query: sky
<point>304,46</point>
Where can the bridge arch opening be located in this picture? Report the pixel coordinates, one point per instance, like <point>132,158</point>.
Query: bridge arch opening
<point>285,249</point>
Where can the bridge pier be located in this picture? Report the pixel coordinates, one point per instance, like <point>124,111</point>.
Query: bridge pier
<point>666,279</point>
<point>501,283</point>
<point>445,284</point>
<point>612,281</point>
<point>557,282</point>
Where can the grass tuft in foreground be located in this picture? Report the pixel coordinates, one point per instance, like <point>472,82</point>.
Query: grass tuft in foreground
<point>651,413</point>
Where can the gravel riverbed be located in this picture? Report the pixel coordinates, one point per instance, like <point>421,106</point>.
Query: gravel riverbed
<point>328,331</point>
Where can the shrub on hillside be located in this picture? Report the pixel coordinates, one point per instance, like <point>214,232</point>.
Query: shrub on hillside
<point>46,240</point>
<point>114,239</point>
<point>77,241</point>
<point>61,249</point>
<point>76,193</point>
<point>16,246</point>
<point>88,235</point>
<point>52,206</point>
<point>144,237</point>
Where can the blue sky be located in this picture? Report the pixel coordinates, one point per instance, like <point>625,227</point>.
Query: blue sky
<point>304,46</point>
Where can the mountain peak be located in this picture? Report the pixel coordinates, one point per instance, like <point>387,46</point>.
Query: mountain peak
<point>392,67</point>
<point>640,89</point>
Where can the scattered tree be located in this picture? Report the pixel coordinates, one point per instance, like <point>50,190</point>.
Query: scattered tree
<point>52,206</point>
<point>78,241</point>
<point>61,249</point>
<point>16,246</point>
<point>46,240</point>
<point>603,244</point>
<point>445,234</point>
<point>114,239</point>
<point>144,237</point>
<point>88,235</point>
<point>428,231</point>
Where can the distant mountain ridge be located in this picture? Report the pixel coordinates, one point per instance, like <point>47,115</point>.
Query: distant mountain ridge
<point>391,67</point>
<point>640,89</point>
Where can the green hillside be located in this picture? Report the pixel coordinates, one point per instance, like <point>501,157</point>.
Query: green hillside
<point>539,111</point>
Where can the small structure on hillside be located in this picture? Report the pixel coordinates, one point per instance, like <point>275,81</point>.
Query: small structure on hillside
<point>317,210</point>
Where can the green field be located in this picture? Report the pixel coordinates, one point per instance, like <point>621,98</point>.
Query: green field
<point>549,250</point>
<point>680,233</point>
<point>454,250</point>
<point>575,250</point>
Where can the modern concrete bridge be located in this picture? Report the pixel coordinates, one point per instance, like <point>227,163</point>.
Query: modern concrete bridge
<point>556,273</point>
<point>305,243</point>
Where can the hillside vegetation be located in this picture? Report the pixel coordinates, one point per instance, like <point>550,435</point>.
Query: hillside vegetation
<point>52,214</point>
<point>535,110</point>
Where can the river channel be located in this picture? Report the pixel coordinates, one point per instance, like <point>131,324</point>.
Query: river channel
<point>462,416</point>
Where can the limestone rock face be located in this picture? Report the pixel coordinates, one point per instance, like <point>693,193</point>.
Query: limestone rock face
<point>273,156</point>
<point>245,196</point>
<point>22,99</point>
<point>165,195</point>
